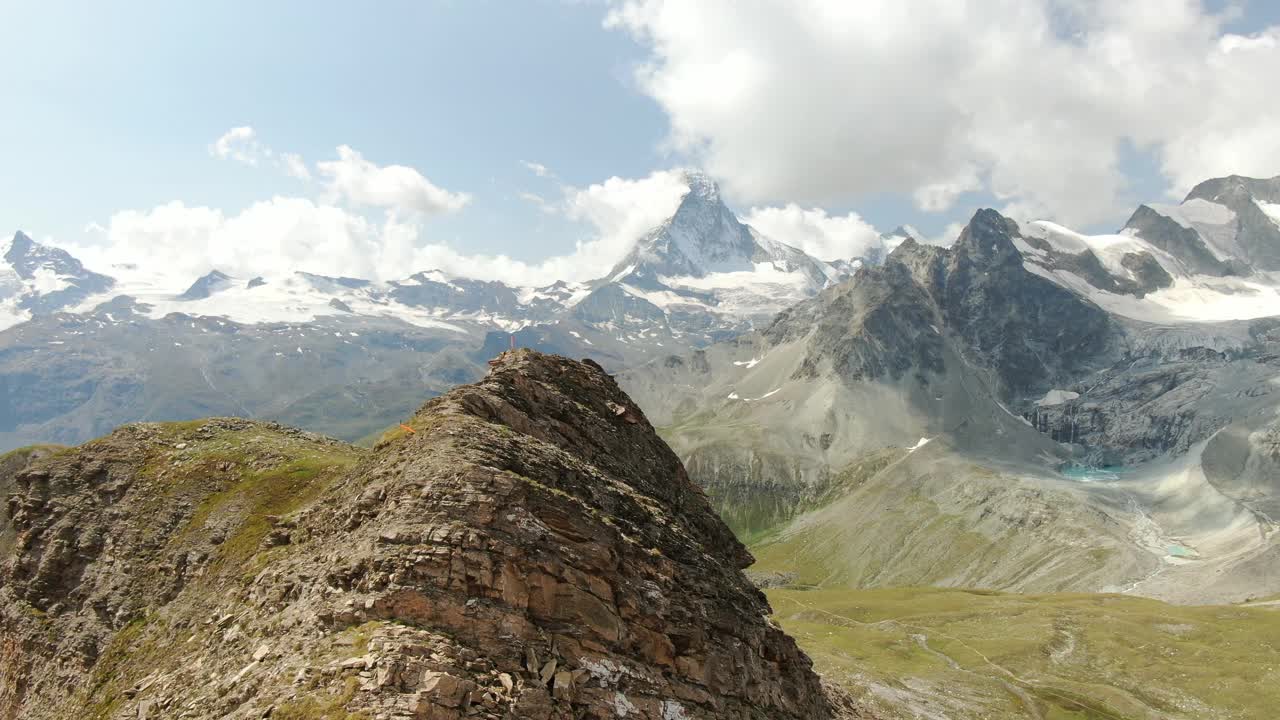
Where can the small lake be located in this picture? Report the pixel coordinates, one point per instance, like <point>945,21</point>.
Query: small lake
<point>1089,473</point>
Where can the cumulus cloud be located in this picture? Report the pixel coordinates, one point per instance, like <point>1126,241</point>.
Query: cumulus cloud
<point>826,237</point>
<point>353,179</point>
<point>825,101</point>
<point>282,234</point>
<point>620,210</point>
<point>178,242</point>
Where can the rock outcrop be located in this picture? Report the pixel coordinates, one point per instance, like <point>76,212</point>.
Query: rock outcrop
<point>525,547</point>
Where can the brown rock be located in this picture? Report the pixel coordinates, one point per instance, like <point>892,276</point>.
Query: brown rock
<point>445,690</point>
<point>532,550</point>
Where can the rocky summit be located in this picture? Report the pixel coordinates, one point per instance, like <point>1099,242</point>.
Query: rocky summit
<point>524,547</point>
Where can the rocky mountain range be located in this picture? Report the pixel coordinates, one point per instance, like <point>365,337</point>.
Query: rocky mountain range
<point>82,352</point>
<point>1069,412</point>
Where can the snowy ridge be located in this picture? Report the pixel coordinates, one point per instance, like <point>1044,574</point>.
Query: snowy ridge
<point>1214,257</point>
<point>697,277</point>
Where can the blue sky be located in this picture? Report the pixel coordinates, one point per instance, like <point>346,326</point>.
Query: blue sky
<point>112,106</point>
<point>108,107</point>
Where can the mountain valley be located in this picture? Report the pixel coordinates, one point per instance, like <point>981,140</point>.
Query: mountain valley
<point>1031,474</point>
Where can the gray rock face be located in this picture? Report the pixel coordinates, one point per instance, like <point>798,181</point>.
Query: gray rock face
<point>1171,389</point>
<point>951,344</point>
<point>890,321</point>
<point>880,325</point>
<point>1243,462</point>
<point>1257,235</point>
<point>1148,274</point>
<point>1179,241</point>
<point>1028,329</point>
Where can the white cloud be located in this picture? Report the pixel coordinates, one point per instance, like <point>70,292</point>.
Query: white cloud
<point>361,183</point>
<point>1235,131</point>
<point>274,236</point>
<point>621,210</point>
<point>282,235</point>
<point>240,144</point>
<point>826,101</point>
<point>823,236</point>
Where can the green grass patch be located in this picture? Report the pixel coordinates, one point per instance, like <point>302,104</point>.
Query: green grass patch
<point>111,673</point>
<point>1076,656</point>
<point>332,707</point>
<point>274,492</point>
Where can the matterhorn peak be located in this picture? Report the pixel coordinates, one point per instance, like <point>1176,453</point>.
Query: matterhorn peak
<point>701,186</point>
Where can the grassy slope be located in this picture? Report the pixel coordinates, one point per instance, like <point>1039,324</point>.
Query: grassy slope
<point>942,653</point>
<point>956,654</point>
<point>236,481</point>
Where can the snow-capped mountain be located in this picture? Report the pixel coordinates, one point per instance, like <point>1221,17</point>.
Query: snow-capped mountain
<point>701,273</point>
<point>36,280</point>
<point>704,238</point>
<point>137,344</point>
<point>699,277</point>
<point>1213,257</point>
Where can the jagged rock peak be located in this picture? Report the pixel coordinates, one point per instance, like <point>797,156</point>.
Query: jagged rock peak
<point>21,244</point>
<point>26,255</point>
<point>524,547</point>
<point>988,235</point>
<point>580,409</point>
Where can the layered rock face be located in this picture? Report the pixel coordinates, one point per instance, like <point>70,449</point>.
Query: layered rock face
<point>530,550</point>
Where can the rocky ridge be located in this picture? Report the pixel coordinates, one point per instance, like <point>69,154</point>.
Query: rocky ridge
<point>523,547</point>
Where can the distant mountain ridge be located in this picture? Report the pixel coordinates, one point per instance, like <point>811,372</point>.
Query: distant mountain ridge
<point>703,238</point>
<point>84,352</point>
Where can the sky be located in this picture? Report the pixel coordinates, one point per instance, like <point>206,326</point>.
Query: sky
<point>535,140</point>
